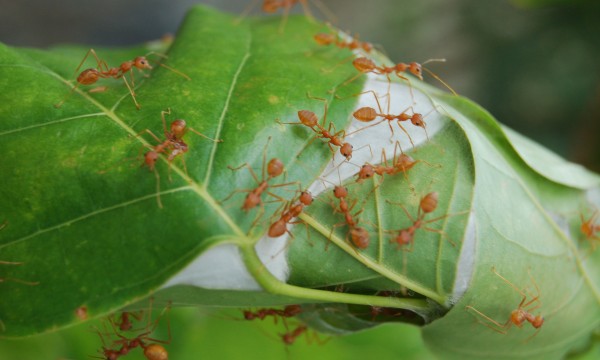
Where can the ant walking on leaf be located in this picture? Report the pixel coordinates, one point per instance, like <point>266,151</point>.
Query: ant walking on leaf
<point>367,114</point>
<point>518,317</point>
<point>333,137</point>
<point>103,71</point>
<point>590,229</point>
<point>153,348</point>
<point>427,205</point>
<point>279,227</point>
<point>173,146</point>
<point>365,65</point>
<point>287,312</point>
<point>274,168</point>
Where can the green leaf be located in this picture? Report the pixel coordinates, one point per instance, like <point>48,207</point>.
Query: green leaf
<point>95,229</point>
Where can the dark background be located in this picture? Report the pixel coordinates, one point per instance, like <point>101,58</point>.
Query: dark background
<point>534,64</point>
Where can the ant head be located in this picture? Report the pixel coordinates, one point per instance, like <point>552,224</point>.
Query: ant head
<point>416,70</point>
<point>366,172</point>
<point>156,352</point>
<point>417,120</point>
<point>306,198</point>
<point>141,62</point>
<point>178,127</point>
<point>324,39</point>
<point>363,64</point>
<point>346,150</point>
<point>340,192</point>
<point>292,310</point>
<point>429,202</point>
<point>537,322</point>
<point>308,118</point>
<point>275,167</point>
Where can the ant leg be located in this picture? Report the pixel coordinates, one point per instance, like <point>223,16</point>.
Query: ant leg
<point>403,208</point>
<point>131,92</point>
<point>204,136</point>
<point>246,12</point>
<point>437,77</point>
<point>442,233</point>
<point>500,328</point>
<point>163,56</point>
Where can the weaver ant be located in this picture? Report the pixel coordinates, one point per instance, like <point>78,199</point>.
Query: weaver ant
<point>279,227</point>
<point>365,65</point>
<point>274,168</point>
<point>334,39</point>
<point>358,235</point>
<point>152,351</point>
<point>520,315</point>
<point>400,164</point>
<point>287,312</point>
<point>310,120</point>
<point>368,114</point>
<point>590,229</point>
<point>173,145</point>
<point>428,204</point>
<point>103,71</point>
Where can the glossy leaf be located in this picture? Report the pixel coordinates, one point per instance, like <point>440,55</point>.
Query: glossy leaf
<point>98,231</point>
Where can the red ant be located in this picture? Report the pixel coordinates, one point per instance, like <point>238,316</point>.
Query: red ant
<point>279,227</point>
<point>274,168</point>
<point>520,315</point>
<point>427,205</point>
<point>358,235</point>
<point>310,119</point>
<point>589,229</point>
<point>365,65</point>
<point>368,114</point>
<point>173,145</point>
<point>153,351</point>
<point>102,71</point>
<point>354,44</point>
<point>287,312</point>
<point>400,164</point>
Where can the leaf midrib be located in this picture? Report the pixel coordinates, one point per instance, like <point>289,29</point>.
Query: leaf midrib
<point>199,189</point>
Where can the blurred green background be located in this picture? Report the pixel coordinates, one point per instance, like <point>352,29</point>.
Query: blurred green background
<point>534,64</point>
